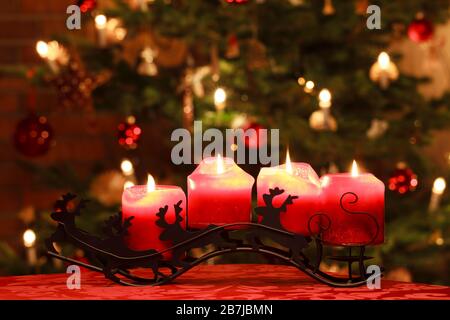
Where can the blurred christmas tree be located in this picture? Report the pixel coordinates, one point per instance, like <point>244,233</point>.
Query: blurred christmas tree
<point>262,64</point>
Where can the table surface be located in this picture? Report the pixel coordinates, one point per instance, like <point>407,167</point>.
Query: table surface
<point>246,282</point>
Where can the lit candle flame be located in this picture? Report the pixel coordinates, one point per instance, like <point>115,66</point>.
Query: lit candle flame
<point>384,60</point>
<point>29,238</point>
<point>288,163</point>
<point>439,186</point>
<point>325,98</point>
<point>220,166</point>
<point>151,186</point>
<point>354,169</point>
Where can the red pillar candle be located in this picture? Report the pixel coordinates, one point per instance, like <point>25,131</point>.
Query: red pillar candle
<point>297,179</point>
<point>360,219</point>
<point>219,192</point>
<point>143,202</point>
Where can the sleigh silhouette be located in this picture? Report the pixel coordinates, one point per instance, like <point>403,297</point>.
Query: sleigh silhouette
<point>111,255</point>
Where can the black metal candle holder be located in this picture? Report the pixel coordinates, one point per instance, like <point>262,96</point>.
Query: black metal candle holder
<point>116,261</point>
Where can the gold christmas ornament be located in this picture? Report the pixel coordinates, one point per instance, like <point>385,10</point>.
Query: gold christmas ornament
<point>323,120</point>
<point>108,186</point>
<point>74,86</point>
<point>257,58</point>
<point>383,71</point>
<point>377,129</point>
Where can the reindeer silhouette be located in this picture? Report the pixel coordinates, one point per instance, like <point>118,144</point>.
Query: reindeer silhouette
<point>270,214</point>
<point>112,250</point>
<point>176,233</point>
<point>65,219</point>
<point>271,217</point>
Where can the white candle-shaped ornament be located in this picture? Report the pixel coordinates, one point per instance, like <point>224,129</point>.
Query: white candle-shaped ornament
<point>128,171</point>
<point>100,25</point>
<point>325,105</point>
<point>383,70</point>
<point>127,167</point>
<point>384,61</point>
<point>309,86</point>
<point>29,239</point>
<point>439,186</point>
<point>325,99</point>
<point>322,119</point>
<point>220,97</point>
<point>48,54</point>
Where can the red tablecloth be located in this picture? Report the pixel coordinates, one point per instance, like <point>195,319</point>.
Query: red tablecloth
<point>213,282</point>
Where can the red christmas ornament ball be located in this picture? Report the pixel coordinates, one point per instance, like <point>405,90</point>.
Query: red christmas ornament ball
<point>403,180</point>
<point>420,30</point>
<point>33,135</point>
<point>129,133</point>
<point>87,5</point>
<point>253,137</point>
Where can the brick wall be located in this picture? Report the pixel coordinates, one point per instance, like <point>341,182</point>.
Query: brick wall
<point>22,23</point>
